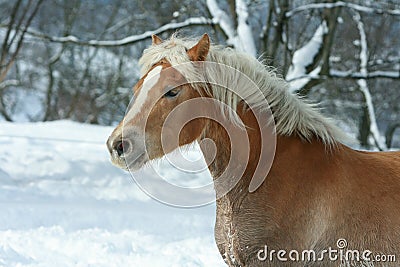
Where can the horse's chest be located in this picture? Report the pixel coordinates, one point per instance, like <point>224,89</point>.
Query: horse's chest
<point>224,233</point>
<point>231,244</point>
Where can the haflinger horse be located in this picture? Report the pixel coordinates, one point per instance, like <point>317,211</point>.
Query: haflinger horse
<point>317,192</point>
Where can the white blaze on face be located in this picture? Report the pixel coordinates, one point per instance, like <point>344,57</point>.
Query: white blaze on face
<point>151,79</point>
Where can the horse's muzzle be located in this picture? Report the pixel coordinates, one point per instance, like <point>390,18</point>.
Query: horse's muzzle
<point>122,153</point>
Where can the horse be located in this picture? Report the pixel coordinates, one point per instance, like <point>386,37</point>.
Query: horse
<point>319,196</point>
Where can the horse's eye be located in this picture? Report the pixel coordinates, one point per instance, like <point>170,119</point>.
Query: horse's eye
<point>172,92</point>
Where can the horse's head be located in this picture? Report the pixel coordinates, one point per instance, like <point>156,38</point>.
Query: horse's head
<point>146,129</point>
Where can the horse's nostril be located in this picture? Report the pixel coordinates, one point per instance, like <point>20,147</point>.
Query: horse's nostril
<point>121,147</point>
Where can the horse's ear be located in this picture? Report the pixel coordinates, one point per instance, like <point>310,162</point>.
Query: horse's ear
<point>199,52</point>
<point>156,40</point>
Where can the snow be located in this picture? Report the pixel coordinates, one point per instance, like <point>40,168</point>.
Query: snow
<point>175,14</point>
<point>147,34</point>
<point>127,40</point>
<point>362,83</point>
<point>372,74</point>
<point>241,37</point>
<point>244,30</point>
<point>64,204</point>
<point>7,83</point>
<point>21,111</point>
<point>297,74</point>
<point>356,43</point>
<point>355,7</point>
<point>220,17</point>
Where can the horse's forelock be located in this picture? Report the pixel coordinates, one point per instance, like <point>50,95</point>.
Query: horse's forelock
<point>173,50</point>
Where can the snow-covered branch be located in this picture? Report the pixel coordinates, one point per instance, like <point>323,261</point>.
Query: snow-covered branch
<point>358,8</point>
<point>242,37</point>
<point>127,40</point>
<point>339,74</point>
<point>368,75</point>
<point>298,74</point>
<point>222,19</point>
<point>244,33</point>
<point>363,86</point>
<point>8,83</point>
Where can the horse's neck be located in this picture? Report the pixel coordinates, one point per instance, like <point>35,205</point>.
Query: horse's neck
<point>239,161</point>
<point>291,156</point>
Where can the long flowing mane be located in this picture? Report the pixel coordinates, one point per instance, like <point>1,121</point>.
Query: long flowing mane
<point>292,115</point>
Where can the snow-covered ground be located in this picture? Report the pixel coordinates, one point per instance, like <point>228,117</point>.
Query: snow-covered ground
<point>63,204</point>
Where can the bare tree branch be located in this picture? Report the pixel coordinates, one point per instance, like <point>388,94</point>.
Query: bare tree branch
<point>8,57</point>
<point>279,11</point>
<point>7,35</point>
<point>8,83</point>
<point>127,40</point>
<point>359,8</point>
<point>7,65</point>
<point>350,75</point>
<point>358,75</point>
<point>389,134</point>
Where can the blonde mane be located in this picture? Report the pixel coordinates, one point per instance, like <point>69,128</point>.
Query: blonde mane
<point>292,115</point>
